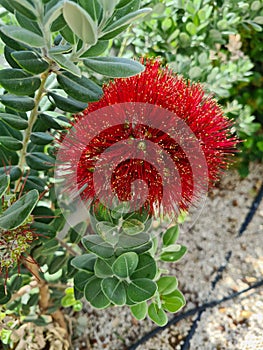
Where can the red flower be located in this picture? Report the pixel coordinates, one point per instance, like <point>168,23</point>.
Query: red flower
<point>154,127</point>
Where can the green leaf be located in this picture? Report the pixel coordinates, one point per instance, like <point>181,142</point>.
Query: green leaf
<point>18,82</point>
<point>5,296</point>
<point>103,268</point>
<point>41,138</point>
<point>258,20</point>
<point>67,104</point>
<point>132,226</point>
<point>146,267</point>
<point>114,33</point>
<point>171,235</point>
<point>18,103</point>
<point>167,284</point>
<point>120,210</point>
<point>53,14</point>
<point>139,311</point>
<point>97,49</point>
<point>10,143</point>
<point>191,28</point>
<point>15,121</point>
<point>60,49</point>
<point>138,243</point>
<point>16,282</point>
<point>66,64</point>
<point>19,211</point>
<point>15,173</point>
<point>50,121</point>
<point>4,184</point>
<point>34,182</point>
<point>80,22</point>
<point>77,232</point>
<point>84,262</point>
<point>24,7</point>
<point>157,315</point>
<point>174,301</point>
<point>28,24</point>
<point>82,89</point>
<point>30,61</point>
<point>57,263</point>
<point>108,231</point>
<point>40,161</point>
<point>68,35</point>
<point>114,290</point>
<point>92,7</point>
<point>94,294</point>
<point>114,66</point>
<point>108,6</point>
<point>9,59</point>
<point>81,278</point>
<point>58,24</point>
<point>172,254</point>
<point>98,246</point>
<point>141,289</point>
<point>49,247</point>
<point>68,300</point>
<point>23,36</point>
<point>125,264</point>
<point>125,20</point>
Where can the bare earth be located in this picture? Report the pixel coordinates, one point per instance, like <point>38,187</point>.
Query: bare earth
<point>233,325</point>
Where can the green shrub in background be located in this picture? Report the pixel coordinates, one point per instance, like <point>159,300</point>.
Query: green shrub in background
<point>218,43</point>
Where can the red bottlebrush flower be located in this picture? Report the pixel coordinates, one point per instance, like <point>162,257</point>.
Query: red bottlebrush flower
<point>153,130</point>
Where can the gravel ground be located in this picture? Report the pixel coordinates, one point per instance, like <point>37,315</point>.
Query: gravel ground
<point>233,325</point>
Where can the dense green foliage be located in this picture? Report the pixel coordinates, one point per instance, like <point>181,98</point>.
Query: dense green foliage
<point>53,67</point>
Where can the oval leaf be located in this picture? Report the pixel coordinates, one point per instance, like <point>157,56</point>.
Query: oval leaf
<point>67,104</point>
<point>139,311</point>
<point>23,35</point>
<point>94,294</point>
<point>141,289</point>
<point>17,214</point>
<point>146,267</point>
<point>41,138</point>
<point>80,22</point>
<point>157,315</point>
<point>173,255</point>
<point>98,246</point>
<point>39,161</point>
<point>97,49</point>
<point>65,63</point>
<point>125,264</point>
<point>82,89</point>
<point>108,231</point>
<point>30,61</point>
<point>125,20</point>
<point>18,82</point>
<point>102,268</point>
<point>84,262</point>
<point>171,235</point>
<point>115,291</point>
<point>81,278</point>
<point>114,66</point>
<point>14,121</point>
<point>4,183</point>
<point>167,284</point>
<point>18,103</point>
<point>10,143</point>
<point>132,226</point>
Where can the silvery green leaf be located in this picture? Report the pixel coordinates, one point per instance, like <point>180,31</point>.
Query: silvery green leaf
<point>80,22</point>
